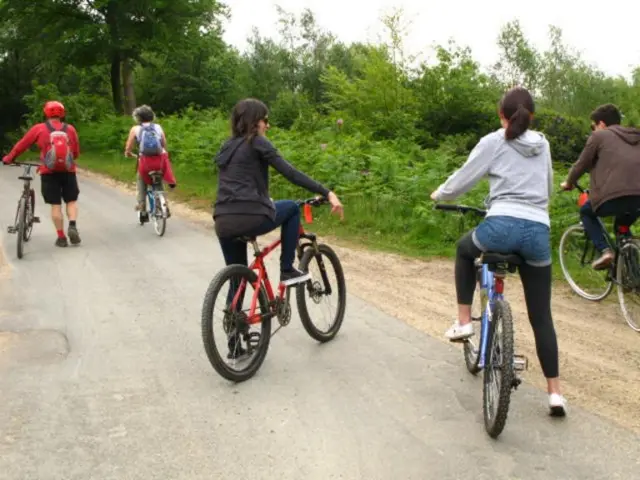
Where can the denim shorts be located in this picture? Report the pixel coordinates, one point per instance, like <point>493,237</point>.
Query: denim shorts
<point>501,234</point>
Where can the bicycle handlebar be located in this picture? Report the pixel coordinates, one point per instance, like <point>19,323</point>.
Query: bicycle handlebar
<point>314,202</point>
<point>19,164</point>
<point>460,209</point>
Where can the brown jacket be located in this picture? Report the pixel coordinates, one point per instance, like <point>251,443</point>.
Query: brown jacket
<point>612,156</point>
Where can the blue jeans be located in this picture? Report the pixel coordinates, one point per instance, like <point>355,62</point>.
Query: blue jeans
<point>501,234</point>
<point>287,216</point>
<point>625,209</point>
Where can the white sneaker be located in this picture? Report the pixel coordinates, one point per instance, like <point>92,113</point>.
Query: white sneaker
<point>557,405</point>
<point>459,332</point>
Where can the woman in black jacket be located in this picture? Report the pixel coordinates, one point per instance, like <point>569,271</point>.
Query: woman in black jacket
<point>243,206</point>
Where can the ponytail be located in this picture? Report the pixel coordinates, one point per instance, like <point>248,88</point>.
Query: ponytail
<point>518,123</point>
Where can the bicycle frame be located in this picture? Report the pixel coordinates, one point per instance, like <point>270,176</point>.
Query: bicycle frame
<point>491,290</point>
<point>619,234</point>
<point>262,280</point>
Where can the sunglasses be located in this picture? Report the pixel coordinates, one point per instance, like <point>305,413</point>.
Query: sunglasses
<point>266,120</point>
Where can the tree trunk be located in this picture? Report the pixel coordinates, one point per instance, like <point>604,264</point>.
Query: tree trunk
<point>128,86</point>
<point>116,86</point>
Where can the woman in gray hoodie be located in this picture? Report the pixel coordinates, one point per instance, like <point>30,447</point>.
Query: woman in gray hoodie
<point>518,163</point>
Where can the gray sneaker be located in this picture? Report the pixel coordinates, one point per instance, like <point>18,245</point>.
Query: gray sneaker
<point>61,242</point>
<point>293,277</point>
<point>74,236</point>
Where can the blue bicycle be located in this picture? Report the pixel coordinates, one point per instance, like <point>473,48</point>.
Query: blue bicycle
<point>158,206</point>
<point>495,354</point>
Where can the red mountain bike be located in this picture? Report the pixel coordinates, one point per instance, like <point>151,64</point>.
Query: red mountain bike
<point>247,349</point>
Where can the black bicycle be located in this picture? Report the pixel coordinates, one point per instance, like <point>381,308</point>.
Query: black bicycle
<point>577,252</point>
<point>25,213</point>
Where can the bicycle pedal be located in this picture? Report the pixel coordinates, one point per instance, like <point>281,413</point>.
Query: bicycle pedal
<point>12,230</point>
<point>515,383</point>
<point>520,363</point>
<point>36,219</point>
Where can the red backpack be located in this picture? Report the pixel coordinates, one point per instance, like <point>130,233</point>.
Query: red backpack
<point>58,157</point>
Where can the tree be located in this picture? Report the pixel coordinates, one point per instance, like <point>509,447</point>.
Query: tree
<point>116,32</point>
<point>519,62</point>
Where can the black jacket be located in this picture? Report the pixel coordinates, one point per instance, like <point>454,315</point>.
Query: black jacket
<point>243,177</point>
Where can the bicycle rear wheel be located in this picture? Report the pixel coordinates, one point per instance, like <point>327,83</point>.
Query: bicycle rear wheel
<point>576,253</point>
<point>159,215</point>
<point>320,289</point>
<point>21,220</point>
<point>245,348</point>
<point>498,371</point>
<point>628,283</point>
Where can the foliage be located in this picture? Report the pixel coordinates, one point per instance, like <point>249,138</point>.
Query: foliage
<point>405,126</point>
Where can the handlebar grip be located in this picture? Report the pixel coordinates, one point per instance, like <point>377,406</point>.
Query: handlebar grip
<point>444,206</point>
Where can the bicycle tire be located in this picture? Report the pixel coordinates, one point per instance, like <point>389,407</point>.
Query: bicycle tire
<point>471,353</point>
<point>624,258</point>
<point>159,216</point>
<point>208,338</point>
<point>301,297</point>
<point>31,210</point>
<point>495,422</point>
<point>578,229</point>
<point>21,213</point>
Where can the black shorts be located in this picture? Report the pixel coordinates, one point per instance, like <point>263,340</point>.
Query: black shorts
<point>59,186</point>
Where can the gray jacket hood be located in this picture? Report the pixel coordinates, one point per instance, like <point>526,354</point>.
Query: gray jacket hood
<point>529,144</point>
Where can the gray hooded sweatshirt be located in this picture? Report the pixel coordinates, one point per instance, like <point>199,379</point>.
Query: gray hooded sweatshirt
<point>520,175</point>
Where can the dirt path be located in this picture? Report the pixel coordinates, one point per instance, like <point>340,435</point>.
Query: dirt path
<point>599,353</point>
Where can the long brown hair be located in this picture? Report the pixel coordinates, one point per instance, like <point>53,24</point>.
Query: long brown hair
<point>517,107</point>
<point>246,116</point>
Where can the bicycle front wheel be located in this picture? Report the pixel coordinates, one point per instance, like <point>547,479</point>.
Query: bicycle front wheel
<point>30,213</point>
<point>472,345</point>
<point>21,223</point>
<point>576,253</point>
<point>628,283</point>
<point>245,349</point>
<point>499,373</point>
<point>319,292</point>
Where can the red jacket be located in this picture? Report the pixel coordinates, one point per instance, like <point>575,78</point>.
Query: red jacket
<point>39,134</point>
<point>157,162</point>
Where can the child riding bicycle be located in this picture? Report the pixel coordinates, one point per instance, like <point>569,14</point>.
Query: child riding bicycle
<point>152,155</point>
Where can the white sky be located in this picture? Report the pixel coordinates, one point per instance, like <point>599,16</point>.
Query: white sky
<point>473,23</point>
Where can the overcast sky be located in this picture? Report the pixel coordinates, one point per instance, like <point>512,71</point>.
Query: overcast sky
<point>607,37</point>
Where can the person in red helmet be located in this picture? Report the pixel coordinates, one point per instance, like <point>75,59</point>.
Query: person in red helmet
<point>59,149</point>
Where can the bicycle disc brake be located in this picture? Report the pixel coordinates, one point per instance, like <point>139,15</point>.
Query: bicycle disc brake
<point>283,310</point>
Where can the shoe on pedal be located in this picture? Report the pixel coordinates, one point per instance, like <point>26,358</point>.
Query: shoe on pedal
<point>236,350</point>
<point>294,277</point>
<point>557,405</point>
<point>458,333</point>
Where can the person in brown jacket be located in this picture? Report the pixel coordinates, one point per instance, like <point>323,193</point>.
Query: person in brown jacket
<point>612,157</point>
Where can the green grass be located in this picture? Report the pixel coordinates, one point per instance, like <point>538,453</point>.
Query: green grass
<point>379,223</point>
<point>384,222</point>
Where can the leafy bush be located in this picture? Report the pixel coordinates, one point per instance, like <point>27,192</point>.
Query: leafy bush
<point>566,135</point>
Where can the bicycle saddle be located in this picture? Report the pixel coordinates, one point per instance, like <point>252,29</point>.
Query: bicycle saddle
<point>247,239</point>
<point>491,258</point>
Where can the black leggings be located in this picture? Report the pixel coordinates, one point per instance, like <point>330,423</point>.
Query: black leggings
<point>536,282</point>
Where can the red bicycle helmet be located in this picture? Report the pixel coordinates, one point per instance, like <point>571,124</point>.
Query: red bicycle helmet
<point>53,109</point>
